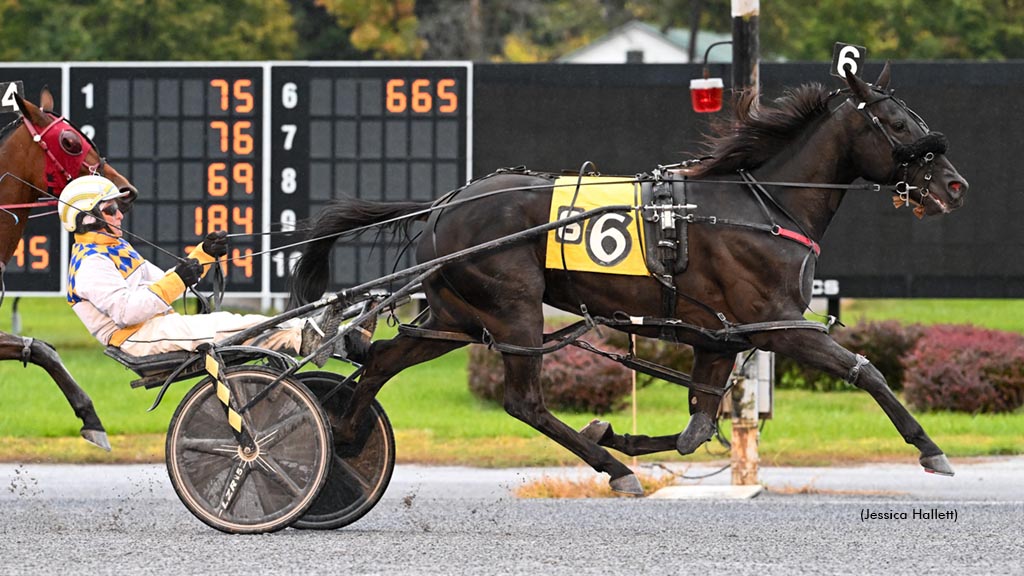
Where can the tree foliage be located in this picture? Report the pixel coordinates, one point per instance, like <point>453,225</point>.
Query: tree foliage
<point>485,30</point>
<point>904,29</point>
<point>36,30</point>
<point>385,28</point>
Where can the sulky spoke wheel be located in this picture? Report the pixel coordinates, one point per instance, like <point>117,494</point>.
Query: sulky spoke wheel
<point>360,472</point>
<point>257,490</point>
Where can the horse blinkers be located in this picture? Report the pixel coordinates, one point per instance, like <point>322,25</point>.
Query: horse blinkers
<point>66,149</point>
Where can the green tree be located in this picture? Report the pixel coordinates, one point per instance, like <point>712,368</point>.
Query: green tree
<point>384,28</point>
<point>903,29</point>
<point>37,30</point>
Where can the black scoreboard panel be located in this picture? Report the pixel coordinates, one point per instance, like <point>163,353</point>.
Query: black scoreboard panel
<point>190,139</point>
<point>37,266</point>
<point>362,131</point>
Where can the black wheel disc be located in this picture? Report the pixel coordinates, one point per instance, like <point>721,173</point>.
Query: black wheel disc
<point>361,471</point>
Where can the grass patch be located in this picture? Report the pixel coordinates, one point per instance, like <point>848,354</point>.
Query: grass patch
<point>437,420</point>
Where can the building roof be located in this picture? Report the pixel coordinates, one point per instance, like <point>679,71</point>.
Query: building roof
<point>653,46</point>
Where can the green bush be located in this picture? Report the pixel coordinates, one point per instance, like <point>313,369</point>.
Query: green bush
<point>883,343</point>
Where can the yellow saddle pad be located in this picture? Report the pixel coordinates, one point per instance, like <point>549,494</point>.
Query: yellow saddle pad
<point>610,243</point>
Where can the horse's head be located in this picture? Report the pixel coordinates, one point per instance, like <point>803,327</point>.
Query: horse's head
<point>893,145</point>
<point>61,152</point>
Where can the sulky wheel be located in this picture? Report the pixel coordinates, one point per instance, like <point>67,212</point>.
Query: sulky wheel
<point>360,472</point>
<point>262,489</point>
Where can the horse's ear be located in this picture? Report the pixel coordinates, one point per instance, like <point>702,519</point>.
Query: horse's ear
<point>22,105</point>
<point>884,77</point>
<point>46,99</point>
<point>31,111</point>
<point>860,88</point>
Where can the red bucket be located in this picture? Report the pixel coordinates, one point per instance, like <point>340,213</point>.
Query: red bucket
<point>706,94</point>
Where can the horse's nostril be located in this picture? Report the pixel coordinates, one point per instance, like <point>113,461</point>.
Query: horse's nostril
<point>957,189</point>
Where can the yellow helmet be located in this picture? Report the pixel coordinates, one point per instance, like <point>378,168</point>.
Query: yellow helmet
<point>80,198</point>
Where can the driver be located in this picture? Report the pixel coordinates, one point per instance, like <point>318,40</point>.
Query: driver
<point>125,301</point>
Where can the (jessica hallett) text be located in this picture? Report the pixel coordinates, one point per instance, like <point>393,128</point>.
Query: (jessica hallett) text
<point>914,514</point>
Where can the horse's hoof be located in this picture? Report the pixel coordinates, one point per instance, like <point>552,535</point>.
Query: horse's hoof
<point>937,464</point>
<point>96,438</point>
<point>597,431</point>
<point>628,484</point>
<point>700,429</point>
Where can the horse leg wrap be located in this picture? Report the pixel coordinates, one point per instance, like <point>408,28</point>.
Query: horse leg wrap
<point>854,373</point>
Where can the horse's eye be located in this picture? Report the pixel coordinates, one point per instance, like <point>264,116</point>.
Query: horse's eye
<point>899,125</point>
<point>70,142</point>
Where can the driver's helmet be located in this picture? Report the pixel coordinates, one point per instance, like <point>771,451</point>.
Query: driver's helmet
<point>80,200</point>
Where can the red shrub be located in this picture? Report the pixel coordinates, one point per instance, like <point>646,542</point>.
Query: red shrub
<point>571,379</point>
<point>966,369</point>
<point>574,379</point>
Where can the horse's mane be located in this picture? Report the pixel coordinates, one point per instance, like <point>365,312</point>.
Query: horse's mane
<point>757,132</point>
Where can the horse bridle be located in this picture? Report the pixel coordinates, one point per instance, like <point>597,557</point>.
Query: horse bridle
<point>39,137</point>
<point>923,150</point>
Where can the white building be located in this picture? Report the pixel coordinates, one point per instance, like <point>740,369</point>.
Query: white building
<point>638,42</point>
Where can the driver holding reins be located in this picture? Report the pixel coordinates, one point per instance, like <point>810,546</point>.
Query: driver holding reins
<point>125,301</point>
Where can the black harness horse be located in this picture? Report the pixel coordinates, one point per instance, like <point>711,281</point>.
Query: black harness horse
<point>39,154</point>
<point>752,254</point>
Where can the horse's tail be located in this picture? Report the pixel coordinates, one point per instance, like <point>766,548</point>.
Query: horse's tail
<point>312,270</point>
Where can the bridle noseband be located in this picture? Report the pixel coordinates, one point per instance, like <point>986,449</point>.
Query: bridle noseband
<point>923,150</point>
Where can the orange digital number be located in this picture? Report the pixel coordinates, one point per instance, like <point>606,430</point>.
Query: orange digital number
<point>395,98</point>
<point>420,97</point>
<point>245,97</point>
<point>242,174</point>
<point>422,101</point>
<point>214,218</point>
<point>243,260</point>
<point>38,257</point>
<point>19,254</point>
<point>241,143</point>
<point>222,127</point>
<point>238,90</point>
<point>444,93</point>
<point>242,217</point>
<point>216,183</point>
<point>222,85</point>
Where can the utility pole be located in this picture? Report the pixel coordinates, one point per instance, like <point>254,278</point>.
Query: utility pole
<point>745,64</point>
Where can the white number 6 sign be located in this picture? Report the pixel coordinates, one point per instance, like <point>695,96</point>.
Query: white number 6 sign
<point>848,59</point>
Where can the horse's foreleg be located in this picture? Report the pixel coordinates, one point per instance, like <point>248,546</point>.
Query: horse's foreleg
<point>43,355</point>
<point>819,351</point>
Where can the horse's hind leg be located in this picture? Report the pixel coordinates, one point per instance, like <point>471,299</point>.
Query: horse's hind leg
<point>384,360</point>
<point>818,350</point>
<point>524,400</point>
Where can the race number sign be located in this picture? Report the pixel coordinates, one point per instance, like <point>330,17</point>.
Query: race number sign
<point>848,58</point>
<point>610,243</point>
<point>7,92</point>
